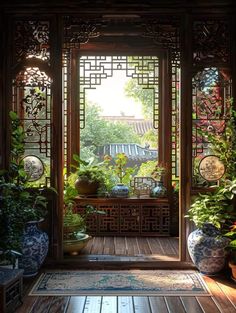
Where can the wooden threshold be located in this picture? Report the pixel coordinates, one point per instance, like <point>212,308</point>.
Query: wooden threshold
<point>156,247</point>
<point>115,252</point>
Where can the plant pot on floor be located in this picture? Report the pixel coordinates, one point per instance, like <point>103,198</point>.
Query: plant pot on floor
<point>34,249</point>
<point>233,270</point>
<point>206,248</point>
<point>76,243</point>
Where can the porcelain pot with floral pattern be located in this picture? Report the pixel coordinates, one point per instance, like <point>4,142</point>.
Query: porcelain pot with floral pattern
<point>159,190</point>
<point>120,191</point>
<point>206,247</point>
<point>34,249</point>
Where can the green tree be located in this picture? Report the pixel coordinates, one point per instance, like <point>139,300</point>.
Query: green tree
<point>98,132</point>
<point>141,94</point>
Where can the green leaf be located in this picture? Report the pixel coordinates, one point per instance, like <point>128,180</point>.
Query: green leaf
<point>13,115</point>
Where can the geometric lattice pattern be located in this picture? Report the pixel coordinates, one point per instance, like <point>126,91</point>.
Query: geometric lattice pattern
<point>211,91</point>
<point>127,216</point>
<point>94,69</point>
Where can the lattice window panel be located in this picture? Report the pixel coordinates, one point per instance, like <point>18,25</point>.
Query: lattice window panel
<point>175,101</point>
<point>155,219</point>
<point>210,97</point>
<point>129,218</point>
<point>110,221</point>
<point>32,99</point>
<point>65,106</point>
<point>166,33</point>
<point>94,69</point>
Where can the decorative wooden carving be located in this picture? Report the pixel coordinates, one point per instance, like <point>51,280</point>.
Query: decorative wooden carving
<point>32,101</point>
<point>78,31</point>
<point>31,40</point>
<point>142,185</point>
<point>211,94</point>
<point>211,42</point>
<point>165,34</point>
<point>127,217</point>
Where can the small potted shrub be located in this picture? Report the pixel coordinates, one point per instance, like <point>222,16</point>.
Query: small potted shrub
<point>75,237</point>
<point>157,174</point>
<point>123,175</point>
<point>74,232</point>
<point>89,177</point>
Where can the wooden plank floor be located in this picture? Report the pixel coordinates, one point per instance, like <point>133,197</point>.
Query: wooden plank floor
<point>157,247</point>
<point>223,300</point>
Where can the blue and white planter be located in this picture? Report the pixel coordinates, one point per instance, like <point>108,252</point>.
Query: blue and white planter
<point>120,191</point>
<point>159,191</point>
<point>206,248</point>
<point>34,249</point>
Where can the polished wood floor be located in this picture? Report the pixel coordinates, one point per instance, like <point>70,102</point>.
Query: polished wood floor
<point>223,289</point>
<point>156,247</point>
<point>223,300</point>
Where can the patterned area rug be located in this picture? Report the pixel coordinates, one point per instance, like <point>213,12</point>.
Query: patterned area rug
<point>132,282</point>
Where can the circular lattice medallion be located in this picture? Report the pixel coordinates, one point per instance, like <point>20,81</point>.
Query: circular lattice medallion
<point>211,168</point>
<point>33,166</point>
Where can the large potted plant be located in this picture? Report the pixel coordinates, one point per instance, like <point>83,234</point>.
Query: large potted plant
<point>214,211</point>
<point>21,208</point>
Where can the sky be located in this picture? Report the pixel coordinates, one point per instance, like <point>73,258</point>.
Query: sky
<point>111,98</point>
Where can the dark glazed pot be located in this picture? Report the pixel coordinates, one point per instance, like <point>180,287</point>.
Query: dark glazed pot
<point>86,188</point>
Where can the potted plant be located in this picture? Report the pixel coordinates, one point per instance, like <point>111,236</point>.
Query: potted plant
<point>89,177</point>
<point>157,174</point>
<point>213,211</point>
<point>123,175</point>
<point>74,232</point>
<point>75,237</point>
<point>21,208</point>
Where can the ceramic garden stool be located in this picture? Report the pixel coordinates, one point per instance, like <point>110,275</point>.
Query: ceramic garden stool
<point>11,285</point>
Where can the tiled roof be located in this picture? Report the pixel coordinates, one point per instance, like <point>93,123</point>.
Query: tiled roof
<point>132,150</point>
<point>140,125</point>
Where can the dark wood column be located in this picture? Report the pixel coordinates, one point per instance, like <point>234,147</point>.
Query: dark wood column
<point>57,137</point>
<point>185,130</point>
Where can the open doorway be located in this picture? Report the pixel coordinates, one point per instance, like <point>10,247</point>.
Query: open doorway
<point>123,106</point>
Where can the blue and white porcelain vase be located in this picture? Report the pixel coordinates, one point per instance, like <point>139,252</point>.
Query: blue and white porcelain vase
<point>120,191</point>
<point>206,248</point>
<point>159,190</point>
<point>34,249</point>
